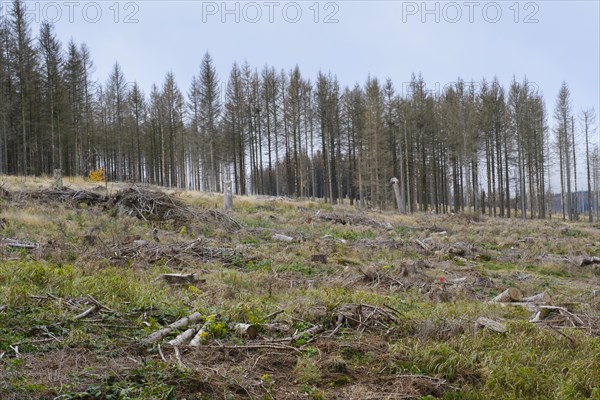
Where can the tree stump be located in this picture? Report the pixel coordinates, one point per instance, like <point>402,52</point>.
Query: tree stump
<point>228,199</point>
<point>58,182</point>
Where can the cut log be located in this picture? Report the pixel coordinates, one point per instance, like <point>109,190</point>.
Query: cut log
<point>509,295</point>
<point>200,336</point>
<point>536,298</point>
<point>182,338</point>
<point>483,322</point>
<point>180,323</point>
<point>282,238</point>
<point>246,330</point>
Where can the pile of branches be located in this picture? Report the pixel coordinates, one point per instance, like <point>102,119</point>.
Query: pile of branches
<point>364,316</point>
<point>63,195</point>
<point>153,205</point>
<point>353,219</point>
<point>558,317</point>
<point>175,253</point>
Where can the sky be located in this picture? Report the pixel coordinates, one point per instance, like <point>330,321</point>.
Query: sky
<point>546,41</point>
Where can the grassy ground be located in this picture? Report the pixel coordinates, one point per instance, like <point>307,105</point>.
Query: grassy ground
<point>429,347</point>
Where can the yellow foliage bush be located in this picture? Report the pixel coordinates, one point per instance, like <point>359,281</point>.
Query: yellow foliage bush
<point>97,175</point>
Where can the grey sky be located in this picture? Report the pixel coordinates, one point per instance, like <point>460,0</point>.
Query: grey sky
<point>548,41</point>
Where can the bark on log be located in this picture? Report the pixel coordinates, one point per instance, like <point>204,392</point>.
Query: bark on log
<point>182,338</point>
<point>536,298</point>
<point>276,327</point>
<point>309,332</point>
<point>200,336</point>
<point>509,295</point>
<point>283,238</point>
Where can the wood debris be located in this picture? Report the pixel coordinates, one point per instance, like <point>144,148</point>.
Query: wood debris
<point>490,324</point>
<point>181,279</point>
<point>174,253</point>
<point>509,295</point>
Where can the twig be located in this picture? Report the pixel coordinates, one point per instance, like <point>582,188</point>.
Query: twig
<point>97,303</point>
<point>178,358</point>
<point>273,315</point>
<point>160,352</point>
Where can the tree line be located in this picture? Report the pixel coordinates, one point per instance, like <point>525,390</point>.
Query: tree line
<point>476,146</point>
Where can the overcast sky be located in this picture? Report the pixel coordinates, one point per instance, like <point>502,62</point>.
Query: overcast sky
<point>547,41</point>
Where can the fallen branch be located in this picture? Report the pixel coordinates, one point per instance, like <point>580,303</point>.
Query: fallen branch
<point>17,244</point>
<point>179,359</point>
<point>200,336</point>
<point>544,312</point>
<point>422,245</point>
<point>182,337</point>
<point>87,312</point>
<point>307,333</point>
<point>98,304</point>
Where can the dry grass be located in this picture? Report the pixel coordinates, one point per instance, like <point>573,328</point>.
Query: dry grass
<point>431,349</point>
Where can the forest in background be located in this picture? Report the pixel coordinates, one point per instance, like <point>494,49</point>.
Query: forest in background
<point>476,146</point>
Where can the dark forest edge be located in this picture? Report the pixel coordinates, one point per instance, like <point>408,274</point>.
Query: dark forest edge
<point>476,146</point>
